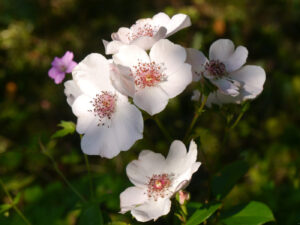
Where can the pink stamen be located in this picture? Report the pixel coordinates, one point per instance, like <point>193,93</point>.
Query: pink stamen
<point>216,68</point>
<point>104,106</point>
<point>144,30</point>
<point>158,186</point>
<point>148,74</point>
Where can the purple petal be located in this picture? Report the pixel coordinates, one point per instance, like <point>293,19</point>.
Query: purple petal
<point>56,75</point>
<point>67,58</point>
<point>57,62</point>
<point>71,66</point>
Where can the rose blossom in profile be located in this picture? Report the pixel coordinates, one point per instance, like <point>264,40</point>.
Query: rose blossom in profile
<point>145,32</point>
<point>61,66</point>
<point>110,124</point>
<point>157,179</point>
<point>235,83</point>
<point>151,80</point>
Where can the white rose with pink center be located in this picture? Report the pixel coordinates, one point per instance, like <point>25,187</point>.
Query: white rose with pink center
<point>110,124</point>
<point>224,69</point>
<point>151,80</point>
<point>157,179</point>
<point>146,32</point>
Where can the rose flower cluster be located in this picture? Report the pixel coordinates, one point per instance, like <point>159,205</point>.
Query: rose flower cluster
<point>150,70</point>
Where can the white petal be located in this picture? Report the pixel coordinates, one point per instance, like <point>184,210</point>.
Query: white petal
<point>172,56</point>
<point>237,59</point>
<point>149,163</point>
<point>100,140</point>
<point>177,81</point>
<point>72,91</point>
<point>146,42</point>
<point>81,108</point>
<point>192,154</point>
<point>128,124</point>
<point>219,98</point>
<point>252,78</point>
<point>112,47</point>
<point>122,35</point>
<point>180,162</point>
<point>176,156</point>
<point>227,86</point>
<point>178,22</point>
<point>82,105</point>
<point>151,99</point>
<point>132,197</point>
<point>92,75</point>
<point>161,19</point>
<point>198,60</point>
<point>122,79</point>
<point>152,210</point>
<point>130,56</point>
<point>221,50</point>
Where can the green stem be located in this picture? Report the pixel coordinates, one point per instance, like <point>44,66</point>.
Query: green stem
<point>195,118</point>
<point>162,128</point>
<point>61,174</point>
<point>15,207</point>
<point>237,120</point>
<point>89,174</point>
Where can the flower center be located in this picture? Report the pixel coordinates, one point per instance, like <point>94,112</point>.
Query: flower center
<point>104,106</point>
<point>63,68</point>
<point>215,68</point>
<point>142,30</point>
<point>148,74</point>
<point>158,186</point>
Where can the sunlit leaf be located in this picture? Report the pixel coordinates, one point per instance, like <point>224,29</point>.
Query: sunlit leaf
<point>68,127</point>
<point>5,207</point>
<point>224,181</point>
<point>203,213</point>
<point>117,223</point>
<point>253,213</point>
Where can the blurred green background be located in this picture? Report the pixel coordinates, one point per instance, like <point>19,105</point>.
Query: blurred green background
<point>32,32</point>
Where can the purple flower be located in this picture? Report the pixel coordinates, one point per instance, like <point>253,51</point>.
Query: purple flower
<point>61,66</point>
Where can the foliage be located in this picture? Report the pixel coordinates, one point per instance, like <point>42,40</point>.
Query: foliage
<point>260,156</point>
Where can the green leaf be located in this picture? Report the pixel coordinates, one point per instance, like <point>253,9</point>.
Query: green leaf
<point>68,127</point>
<point>224,181</point>
<point>91,215</point>
<point>5,207</point>
<point>16,200</point>
<point>203,213</point>
<point>117,223</point>
<point>253,213</point>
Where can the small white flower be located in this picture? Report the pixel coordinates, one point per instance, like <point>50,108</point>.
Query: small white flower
<point>235,82</point>
<point>145,32</point>
<point>151,80</point>
<point>157,179</point>
<point>110,124</point>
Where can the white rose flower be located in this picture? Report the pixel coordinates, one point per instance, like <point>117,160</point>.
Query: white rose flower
<point>235,82</point>
<point>110,124</point>
<point>145,32</point>
<point>157,179</point>
<point>151,80</point>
